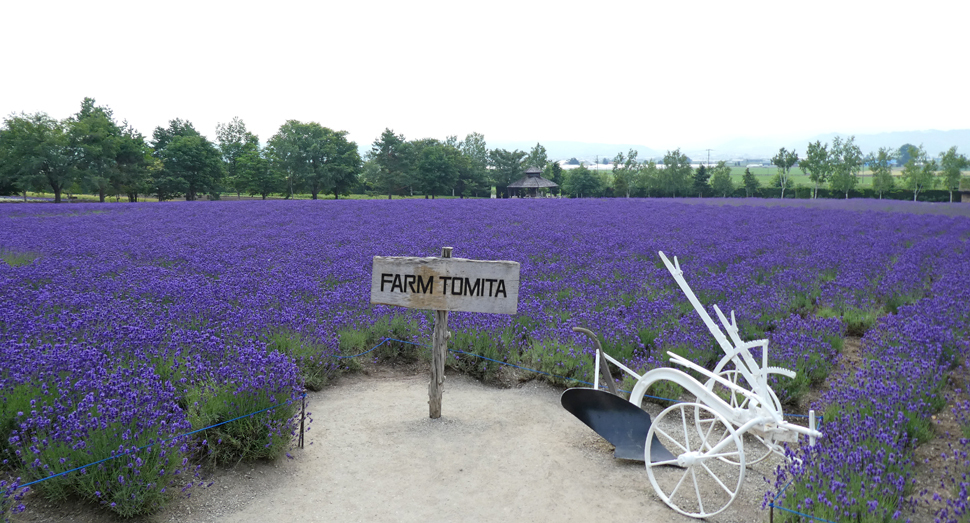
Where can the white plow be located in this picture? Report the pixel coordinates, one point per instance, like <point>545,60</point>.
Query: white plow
<point>735,420</point>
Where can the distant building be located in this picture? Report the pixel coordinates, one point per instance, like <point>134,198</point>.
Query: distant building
<point>532,182</point>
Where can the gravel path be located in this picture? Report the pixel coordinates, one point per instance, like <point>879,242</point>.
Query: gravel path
<point>373,455</point>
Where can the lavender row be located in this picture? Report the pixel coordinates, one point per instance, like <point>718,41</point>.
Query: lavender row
<point>877,414</point>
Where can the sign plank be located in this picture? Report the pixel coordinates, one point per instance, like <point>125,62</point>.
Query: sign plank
<point>450,284</point>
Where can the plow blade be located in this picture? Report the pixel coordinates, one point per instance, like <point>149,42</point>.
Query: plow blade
<point>618,421</point>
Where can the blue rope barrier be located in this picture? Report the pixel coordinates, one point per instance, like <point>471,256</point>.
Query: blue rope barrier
<point>372,349</point>
<point>109,458</point>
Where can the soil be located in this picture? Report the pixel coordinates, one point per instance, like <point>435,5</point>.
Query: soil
<point>850,360</point>
<point>373,454</point>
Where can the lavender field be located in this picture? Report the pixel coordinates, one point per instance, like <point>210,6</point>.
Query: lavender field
<point>125,325</point>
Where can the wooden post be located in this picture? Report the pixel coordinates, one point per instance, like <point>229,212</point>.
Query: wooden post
<point>439,351</point>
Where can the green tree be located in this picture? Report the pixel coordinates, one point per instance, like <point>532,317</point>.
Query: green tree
<point>952,164</point>
<point>193,159</point>
<point>647,179</point>
<point>133,161</point>
<point>721,179</point>
<point>701,179</point>
<point>508,166</point>
<point>36,153</point>
<point>582,182</point>
<point>256,175</point>
<point>675,177</point>
<point>816,164</point>
<point>234,142</point>
<point>537,157</point>
<point>316,158</point>
<point>554,172</point>
<point>169,187</point>
<point>625,170</point>
<point>784,160</point>
<point>882,171</point>
<point>750,182</point>
<point>918,173</point>
<point>906,151</point>
<point>391,154</point>
<point>94,139</point>
<point>438,168</point>
<point>163,135</point>
<point>846,160</point>
<point>476,179</point>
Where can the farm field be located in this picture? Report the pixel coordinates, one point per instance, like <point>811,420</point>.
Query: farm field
<point>126,325</point>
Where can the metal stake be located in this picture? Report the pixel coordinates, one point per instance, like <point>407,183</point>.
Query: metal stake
<point>302,417</point>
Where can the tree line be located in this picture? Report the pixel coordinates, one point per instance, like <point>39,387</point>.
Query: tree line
<point>90,152</point>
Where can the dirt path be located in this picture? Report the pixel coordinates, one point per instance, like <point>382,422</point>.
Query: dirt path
<point>495,455</point>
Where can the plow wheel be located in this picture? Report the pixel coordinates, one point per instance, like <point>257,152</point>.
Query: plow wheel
<point>709,469</point>
<point>756,448</point>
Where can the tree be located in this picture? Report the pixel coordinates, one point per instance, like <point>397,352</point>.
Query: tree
<point>721,179</point>
<point>256,175</point>
<point>185,155</point>
<point>476,179</point>
<point>509,166</point>
<point>316,158</point>
<point>582,182</point>
<point>906,151</point>
<point>133,161</point>
<point>94,140</point>
<point>169,187</point>
<point>163,135</point>
<point>952,164</point>
<point>193,159</point>
<point>784,160</point>
<point>675,177</point>
<point>537,157</point>
<point>624,172</point>
<point>846,160</point>
<point>751,184</point>
<point>390,152</point>
<point>918,171</point>
<point>881,166</point>
<point>234,142</point>
<point>438,168</point>
<point>647,178</point>
<point>701,178</point>
<point>817,164</point>
<point>36,153</point>
<point>555,173</point>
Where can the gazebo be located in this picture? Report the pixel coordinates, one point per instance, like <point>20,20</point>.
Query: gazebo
<point>532,182</point>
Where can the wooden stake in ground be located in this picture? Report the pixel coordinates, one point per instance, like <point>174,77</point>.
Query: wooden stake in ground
<point>439,351</point>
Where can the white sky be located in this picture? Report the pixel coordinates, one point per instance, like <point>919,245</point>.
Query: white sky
<point>662,74</point>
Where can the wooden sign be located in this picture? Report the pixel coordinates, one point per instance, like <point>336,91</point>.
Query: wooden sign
<point>446,284</point>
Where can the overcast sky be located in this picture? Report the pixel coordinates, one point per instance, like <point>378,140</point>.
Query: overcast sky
<point>661,74</point>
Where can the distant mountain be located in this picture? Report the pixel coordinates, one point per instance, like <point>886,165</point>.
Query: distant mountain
<point>579,150</point>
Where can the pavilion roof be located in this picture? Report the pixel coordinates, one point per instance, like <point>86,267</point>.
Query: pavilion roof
<point>532,182</point>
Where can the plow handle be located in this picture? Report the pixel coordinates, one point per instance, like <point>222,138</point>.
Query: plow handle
<point>601,365</point>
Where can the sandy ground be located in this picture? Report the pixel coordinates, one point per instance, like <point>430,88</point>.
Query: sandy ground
<point>373,454</point>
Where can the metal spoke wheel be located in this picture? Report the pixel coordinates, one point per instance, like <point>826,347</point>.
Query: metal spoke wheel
<point>757,448</point>
<point>708,472</point>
